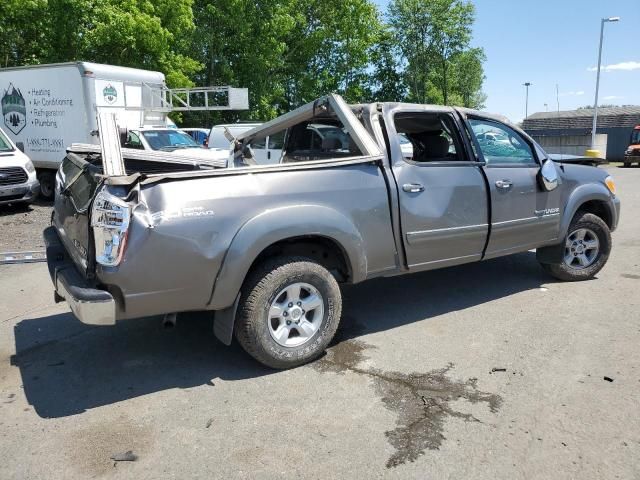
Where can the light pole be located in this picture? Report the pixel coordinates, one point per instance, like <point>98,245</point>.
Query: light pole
<point>595,105</point>
<point>526,102</point>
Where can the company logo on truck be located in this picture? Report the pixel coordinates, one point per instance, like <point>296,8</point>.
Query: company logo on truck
<point>14,110</point>
<point>110,94</point>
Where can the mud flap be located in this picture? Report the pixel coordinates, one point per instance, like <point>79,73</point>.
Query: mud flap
<point>223,322</point>
<point>550,254</point>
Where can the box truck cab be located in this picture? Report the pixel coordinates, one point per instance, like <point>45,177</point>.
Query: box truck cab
<point>46,108</point>
<point>18,183</point>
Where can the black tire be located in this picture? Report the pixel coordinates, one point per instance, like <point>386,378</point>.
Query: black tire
<point>581,220</point>
<point>47,181</point>
<point>252,325</point>
<point>626,164</point>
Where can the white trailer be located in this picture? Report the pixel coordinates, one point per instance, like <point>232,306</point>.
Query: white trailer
<point>46,108</point>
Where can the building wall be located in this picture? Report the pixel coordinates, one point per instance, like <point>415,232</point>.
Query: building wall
<point>616,142</point>
<point>571,144</point>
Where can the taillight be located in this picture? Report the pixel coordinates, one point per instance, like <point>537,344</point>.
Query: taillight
<point>110,221</point>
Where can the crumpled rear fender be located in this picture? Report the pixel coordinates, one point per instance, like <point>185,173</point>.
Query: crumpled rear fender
<point>279,224</point>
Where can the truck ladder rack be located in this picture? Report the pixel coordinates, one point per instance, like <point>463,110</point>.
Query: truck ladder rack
<point>197,99</point>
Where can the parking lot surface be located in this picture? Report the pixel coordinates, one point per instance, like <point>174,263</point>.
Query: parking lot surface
<point>491,370</point>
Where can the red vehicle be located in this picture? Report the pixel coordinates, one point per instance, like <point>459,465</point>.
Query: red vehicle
<point>633,151</point>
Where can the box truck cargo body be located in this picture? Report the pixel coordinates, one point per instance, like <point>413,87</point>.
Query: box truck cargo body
<point>46,108</point>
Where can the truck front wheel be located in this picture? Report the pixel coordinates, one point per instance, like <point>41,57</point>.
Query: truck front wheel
<point>47,179</point>
<point>289,311</point>
<point>586,249</point>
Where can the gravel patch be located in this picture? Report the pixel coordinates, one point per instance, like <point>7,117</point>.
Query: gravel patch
<point>21,226</point>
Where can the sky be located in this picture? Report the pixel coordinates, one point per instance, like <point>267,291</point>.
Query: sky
<point>549,42</point>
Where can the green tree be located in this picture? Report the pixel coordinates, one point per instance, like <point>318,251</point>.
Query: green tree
<point>468,75</point>
<point>21,32</point>
<point>433,38</point>
<point>142,34</point>
<point>136,33</point>
<point>387,79</point>
<point>285,52</point>
<point>451,22</point>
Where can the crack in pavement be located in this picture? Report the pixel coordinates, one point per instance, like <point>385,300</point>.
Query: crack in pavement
<point>421,401</point>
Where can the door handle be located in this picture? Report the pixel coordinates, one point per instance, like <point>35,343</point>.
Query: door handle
<point>413,188</point>
<point>505,184</point>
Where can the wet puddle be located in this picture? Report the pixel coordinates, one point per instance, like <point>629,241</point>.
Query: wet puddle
<point>421,401</point>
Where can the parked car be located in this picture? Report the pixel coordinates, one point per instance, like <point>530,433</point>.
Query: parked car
<point>18,182</point>
<point>200,135</point>
<point>169,140</point>
<point>266,247</point>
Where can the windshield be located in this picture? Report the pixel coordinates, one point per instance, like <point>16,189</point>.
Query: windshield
<point>5,146</point>
<point>635,137</point>
<point>168,140</point>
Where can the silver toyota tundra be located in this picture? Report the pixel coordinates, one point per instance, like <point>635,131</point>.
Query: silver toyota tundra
<point>359,192</point>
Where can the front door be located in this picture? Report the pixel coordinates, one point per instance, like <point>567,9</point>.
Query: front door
<point>442,194</point>
<point>523,215</point>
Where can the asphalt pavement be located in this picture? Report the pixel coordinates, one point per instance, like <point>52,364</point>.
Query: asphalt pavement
<point>492,370</point>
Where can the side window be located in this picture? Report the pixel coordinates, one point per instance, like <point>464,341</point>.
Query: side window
<point>133,141</point>
<point>320,139</point>
<point>259,143</point>
<point>276,141</point>
<point>428,137</point>
<point>501,144</point>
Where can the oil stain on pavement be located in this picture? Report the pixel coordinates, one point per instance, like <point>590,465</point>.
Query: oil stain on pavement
<point>421,401</point>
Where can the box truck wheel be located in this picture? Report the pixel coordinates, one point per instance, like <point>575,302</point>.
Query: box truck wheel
<point>47,179</point>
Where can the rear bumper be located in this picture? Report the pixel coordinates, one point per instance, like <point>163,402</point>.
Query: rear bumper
<point>89,304</point>
<point>631,158</point>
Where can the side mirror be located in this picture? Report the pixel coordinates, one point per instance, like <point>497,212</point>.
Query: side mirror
<point>20,146</point>
<point>548,176</point>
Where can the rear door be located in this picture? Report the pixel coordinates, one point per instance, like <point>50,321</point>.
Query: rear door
<point>523,215</point>
<point>442,193</point>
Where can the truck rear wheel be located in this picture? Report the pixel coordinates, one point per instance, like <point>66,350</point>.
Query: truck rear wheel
<point>586,249</point>
<point>289,311</point>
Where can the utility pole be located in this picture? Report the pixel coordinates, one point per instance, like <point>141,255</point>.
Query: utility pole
<point>595,104</point>
<point>526,102</point>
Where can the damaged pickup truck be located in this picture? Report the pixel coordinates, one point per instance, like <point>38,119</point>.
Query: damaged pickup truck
<point>359,191</point>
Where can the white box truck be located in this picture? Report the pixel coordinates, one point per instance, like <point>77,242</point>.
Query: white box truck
<point>46,108</point>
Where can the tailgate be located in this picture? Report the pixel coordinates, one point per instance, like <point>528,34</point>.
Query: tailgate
<point>76,184</point>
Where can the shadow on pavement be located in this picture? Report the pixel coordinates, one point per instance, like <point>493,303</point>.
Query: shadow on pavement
<point>21,207</point>
<point>386,303</point>
<point>68,367</point>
